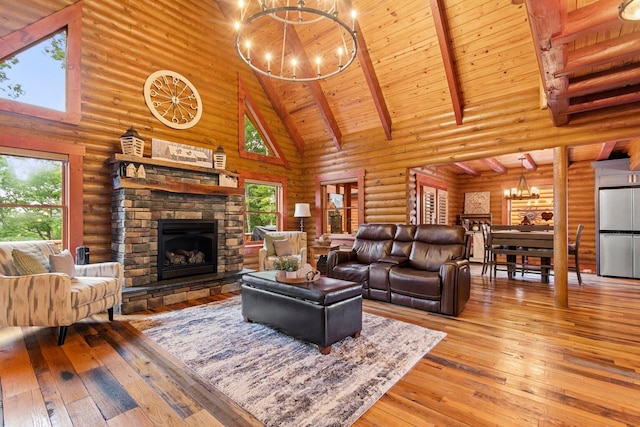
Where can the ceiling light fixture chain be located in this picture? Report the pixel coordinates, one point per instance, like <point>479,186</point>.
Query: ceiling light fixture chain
<point>522,190</point>
<point>272,32</point>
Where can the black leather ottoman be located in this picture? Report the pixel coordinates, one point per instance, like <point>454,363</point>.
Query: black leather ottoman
<point>322,312</point>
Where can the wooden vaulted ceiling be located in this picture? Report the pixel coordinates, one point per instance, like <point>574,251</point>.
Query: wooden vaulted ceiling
<point>440,57</point>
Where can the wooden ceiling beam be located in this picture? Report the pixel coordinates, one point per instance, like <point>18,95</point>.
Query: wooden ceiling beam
<point>440,20</point>
<point>316,89</point>
<point>285,117</point>
<point>372,79</point>
<point>466,168</point>
<point>586,20</point>
<point>528,163</point>
<point>610,51</point>
<point>545,21</point>
<point>605,81</point>
<point>632,95</point>
<point>605,150</point>
<point>495,165</point>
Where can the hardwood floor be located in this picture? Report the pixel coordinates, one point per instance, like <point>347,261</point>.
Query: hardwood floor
<point>510,358</point>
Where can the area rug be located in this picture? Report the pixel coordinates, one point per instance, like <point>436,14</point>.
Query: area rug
<point>283,381</point>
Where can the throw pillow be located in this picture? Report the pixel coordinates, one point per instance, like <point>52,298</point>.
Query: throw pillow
<point>283,248</point>
<point>271,250</point>
<point>26,263</point>
<point>63,263</point>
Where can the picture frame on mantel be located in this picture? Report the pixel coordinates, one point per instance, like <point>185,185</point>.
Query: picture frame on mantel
<point>477,202</point>
<point>181,153</point>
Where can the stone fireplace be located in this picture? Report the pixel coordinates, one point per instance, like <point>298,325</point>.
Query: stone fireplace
<point>179,209</point>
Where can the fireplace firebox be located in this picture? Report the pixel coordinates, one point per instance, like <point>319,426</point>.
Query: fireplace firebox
<point>187,247</point>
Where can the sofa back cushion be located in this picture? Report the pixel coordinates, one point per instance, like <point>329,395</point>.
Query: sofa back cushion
<point>403,240</point>
<point>373,241</point>
<point>297,240</point>
<point>8,267</point>
<point>433,245</point>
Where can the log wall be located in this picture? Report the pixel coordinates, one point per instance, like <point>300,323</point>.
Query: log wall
<point>123,41</point>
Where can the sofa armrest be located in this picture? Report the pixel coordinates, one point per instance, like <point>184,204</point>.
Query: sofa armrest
<point>455,277</point>
<point>101,269</point>
<point>303,256</point>
<point>394,260</point>
<point>262,257</point>
<point>338,257</point>
<point>35,300</point>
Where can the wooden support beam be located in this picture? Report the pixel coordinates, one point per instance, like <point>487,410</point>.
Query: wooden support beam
<point>605,150</point>
<point>466,168</point>
<point>545,21</point>
<point>372,80</point>
<point>605,81</point>
<point>495,165</point>
<point>560,234</point>
<point>610,51</point>
<point>440,20</point>
<point>634,155</point>
<point>589,19</point>
<point>529,164</point>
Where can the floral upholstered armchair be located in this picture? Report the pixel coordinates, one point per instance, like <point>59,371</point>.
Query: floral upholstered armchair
<point>33,295</point>
<point>282,243</point>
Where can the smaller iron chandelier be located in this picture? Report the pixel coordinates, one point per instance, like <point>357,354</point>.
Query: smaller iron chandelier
<point>629,10</point>
<point>522,190</point>
<point>295,40</point>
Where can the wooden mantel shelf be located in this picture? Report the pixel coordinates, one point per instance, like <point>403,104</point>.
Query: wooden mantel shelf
<point>171,186</point>
<point>168,164</point>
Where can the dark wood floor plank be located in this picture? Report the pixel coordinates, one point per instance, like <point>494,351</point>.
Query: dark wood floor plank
<point>109,396</point>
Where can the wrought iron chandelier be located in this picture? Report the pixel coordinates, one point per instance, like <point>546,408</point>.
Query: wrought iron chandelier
<point>522,190</point>
<point>295,40</point>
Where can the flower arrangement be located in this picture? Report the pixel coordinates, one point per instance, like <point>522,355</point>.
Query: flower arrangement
<point>286,264</point>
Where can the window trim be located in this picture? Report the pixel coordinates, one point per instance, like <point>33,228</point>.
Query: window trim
<point>248,106</point>
<point>265,178</point>
<point>337,177</point>
<point>70,18</point>
<point>74,229</point>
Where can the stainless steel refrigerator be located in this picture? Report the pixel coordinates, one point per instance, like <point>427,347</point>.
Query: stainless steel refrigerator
<point>619,230</point>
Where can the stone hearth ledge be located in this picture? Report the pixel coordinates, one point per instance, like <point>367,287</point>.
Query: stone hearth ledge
<point>180,289</point>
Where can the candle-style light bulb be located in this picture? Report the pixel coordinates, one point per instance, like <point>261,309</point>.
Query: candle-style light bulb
<point>339,57</point>
<point>318,60</point>
<point>236,25</point>
<point>353,20</point>
<point>294,62</point>
<point>248,44</point>
<point>269,63</point>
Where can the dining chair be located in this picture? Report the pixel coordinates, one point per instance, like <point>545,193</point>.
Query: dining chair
<point>574,249</point>
<point>487,259</point>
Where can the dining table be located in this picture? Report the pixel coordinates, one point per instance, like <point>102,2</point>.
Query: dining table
<point>526,241</point>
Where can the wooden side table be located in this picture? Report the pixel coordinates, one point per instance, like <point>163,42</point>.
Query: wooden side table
<point>317,250</point>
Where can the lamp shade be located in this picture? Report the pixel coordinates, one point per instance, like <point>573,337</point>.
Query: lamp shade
<point>302,210</point>
<point>629,10</point>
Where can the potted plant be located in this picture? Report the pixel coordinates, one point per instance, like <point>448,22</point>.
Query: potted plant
<point>287,265</point>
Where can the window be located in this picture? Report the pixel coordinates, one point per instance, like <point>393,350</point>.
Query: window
<point>31,198</point>
<point>342,200</point>
<point>255,140</point>
<point>41,190</point>
<point>265,205</point>
<point>529,211</point>
<point>434,201</point>
<point>42,79</point>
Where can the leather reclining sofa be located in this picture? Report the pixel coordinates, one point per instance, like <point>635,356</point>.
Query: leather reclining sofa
<point>418,266</point>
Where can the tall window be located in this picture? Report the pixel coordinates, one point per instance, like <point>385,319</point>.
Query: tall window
<point>529,211</point>
<point>42,78</point>
<point>32,198</point>
<point>263,209</point>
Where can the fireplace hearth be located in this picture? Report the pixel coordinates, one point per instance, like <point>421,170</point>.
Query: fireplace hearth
<point>187,247</point>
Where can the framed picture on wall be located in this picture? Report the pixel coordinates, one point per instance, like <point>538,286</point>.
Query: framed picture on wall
<point>477,202</point>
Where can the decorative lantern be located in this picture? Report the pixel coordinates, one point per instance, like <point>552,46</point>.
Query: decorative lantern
<point>132,144</point>
<point>219,158</point>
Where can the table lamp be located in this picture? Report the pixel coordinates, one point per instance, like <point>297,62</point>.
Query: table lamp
<point>302,211</point>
